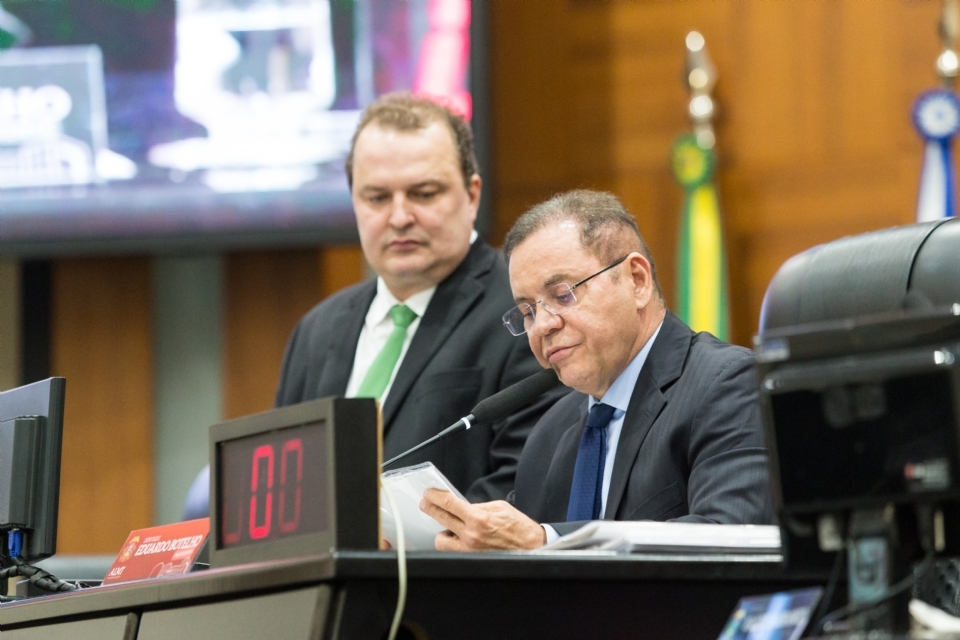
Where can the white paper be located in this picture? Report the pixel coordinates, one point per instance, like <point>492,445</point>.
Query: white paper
<point>406,487</point>
<point>671,537</point>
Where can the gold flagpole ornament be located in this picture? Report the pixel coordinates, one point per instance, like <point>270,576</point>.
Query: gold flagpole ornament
<point>947,62</point>
<point>701,78</point>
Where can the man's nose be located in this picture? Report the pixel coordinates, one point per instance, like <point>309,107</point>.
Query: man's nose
<point>545,321</point>
<point>400,214</point>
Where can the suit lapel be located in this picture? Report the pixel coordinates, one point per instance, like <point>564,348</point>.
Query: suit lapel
<point>338,361</point>
<point>663,366</point>
<point>453,298</point>
<point>560,474</point>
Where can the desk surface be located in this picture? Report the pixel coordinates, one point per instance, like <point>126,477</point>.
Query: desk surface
<point>562,594</point>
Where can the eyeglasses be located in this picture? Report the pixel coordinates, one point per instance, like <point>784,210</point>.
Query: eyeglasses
<point>521,318</point>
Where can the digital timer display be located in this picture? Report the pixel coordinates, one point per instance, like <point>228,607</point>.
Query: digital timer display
<point>295,481</point>
<point>273,485</point>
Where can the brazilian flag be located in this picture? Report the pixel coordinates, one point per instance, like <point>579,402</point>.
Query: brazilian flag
<point>702,298</point>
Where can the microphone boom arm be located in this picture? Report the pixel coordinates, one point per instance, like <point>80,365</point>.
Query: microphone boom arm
<point>496,407</point>
<point>460,425</point>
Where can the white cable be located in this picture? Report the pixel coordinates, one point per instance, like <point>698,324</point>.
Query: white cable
<point>401,570</point>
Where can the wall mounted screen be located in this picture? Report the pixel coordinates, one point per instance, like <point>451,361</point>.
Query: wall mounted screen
<point>136,123</point>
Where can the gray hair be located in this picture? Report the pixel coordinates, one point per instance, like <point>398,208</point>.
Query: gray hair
<point>607,229</point>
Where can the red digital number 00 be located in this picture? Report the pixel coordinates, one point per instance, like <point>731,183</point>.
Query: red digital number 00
<point>291,465</point>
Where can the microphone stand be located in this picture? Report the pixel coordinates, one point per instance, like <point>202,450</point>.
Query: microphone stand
<point>460,425</point>
<point>496,407</point>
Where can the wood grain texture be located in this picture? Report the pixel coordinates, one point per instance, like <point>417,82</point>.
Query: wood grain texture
<point>814,134</point>
<point>265,293</point>
<point>101,343</point>
<point>340,267</point>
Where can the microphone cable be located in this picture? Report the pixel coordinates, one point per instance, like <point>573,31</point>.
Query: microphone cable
<point>826,623</point>
<point>401,567</point>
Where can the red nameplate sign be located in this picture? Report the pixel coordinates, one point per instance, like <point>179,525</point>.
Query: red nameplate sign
<point>159,551</point>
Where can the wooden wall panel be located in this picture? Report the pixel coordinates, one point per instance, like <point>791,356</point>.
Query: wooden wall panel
<point>101,342</point>
<point>814,134</point>
<point>530,102</point>
<point>266,293</point>
<point>340,267</point>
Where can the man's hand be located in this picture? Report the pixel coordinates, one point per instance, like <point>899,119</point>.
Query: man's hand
<point>473,527</point>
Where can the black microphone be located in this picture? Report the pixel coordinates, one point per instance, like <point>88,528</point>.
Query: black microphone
<point>499,405</point>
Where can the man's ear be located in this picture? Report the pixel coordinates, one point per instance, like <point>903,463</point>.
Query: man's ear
<point>474,190</point>
<point>642,274</point>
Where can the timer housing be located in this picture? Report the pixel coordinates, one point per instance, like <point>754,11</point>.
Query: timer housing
<point>295,481</point>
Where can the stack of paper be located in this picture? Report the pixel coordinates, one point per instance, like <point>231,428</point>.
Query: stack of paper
<point>406,486</point>
<point>672,537</point>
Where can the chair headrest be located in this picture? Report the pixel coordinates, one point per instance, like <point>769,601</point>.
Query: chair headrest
<point>881,271</point>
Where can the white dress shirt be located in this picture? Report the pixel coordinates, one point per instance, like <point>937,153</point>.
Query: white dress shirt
<point>618,397</point>
<point>377,327</point>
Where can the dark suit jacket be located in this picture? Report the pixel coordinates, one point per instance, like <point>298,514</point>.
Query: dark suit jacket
<point>460,354</point>
<point>691,448</point>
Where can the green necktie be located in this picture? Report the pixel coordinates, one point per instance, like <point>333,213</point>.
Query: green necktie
<point>382,368</point>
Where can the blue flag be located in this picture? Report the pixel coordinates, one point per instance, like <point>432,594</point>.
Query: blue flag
<point>936,114</point>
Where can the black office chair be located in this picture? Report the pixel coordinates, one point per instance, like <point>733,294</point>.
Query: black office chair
<point>910,267</point>
<point>903,267</point>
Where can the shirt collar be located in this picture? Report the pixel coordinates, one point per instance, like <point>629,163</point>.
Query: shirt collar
<point>384,301</point>
<point>618,395</point>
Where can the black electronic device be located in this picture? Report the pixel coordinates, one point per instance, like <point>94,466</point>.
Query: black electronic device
<point>295,481</point>
<point>31,432</point>
<point>861,413</point>
<point>862,421</point>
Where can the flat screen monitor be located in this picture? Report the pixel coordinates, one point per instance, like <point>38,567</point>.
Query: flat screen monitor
<point>861,414</point>
<point>866,432</point>
<point>31,432</point>
<point>163,124</point>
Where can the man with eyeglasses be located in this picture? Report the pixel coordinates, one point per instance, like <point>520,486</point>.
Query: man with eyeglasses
<point>664,423</point>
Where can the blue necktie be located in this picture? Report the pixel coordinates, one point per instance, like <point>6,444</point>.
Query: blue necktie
<point>585,492</point>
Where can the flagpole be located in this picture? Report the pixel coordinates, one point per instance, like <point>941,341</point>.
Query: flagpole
<point>702,289</point>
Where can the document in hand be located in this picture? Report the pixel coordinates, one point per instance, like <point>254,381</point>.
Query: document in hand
<point>406,487</point>
<point>672,537</point>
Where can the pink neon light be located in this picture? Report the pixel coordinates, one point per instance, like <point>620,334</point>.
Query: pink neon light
<point>444,14</point>
<point>442,68</point>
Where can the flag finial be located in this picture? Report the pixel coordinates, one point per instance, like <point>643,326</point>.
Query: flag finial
<point>701,76</point>
<point>947,62</point>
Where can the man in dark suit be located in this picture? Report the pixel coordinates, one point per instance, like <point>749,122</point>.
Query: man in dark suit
<point>415,188</point>
<point>664,424</point>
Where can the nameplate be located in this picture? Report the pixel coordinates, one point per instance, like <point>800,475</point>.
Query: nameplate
<point>159,551</point>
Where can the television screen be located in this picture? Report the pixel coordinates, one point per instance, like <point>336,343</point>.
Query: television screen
<point>138,124</point>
